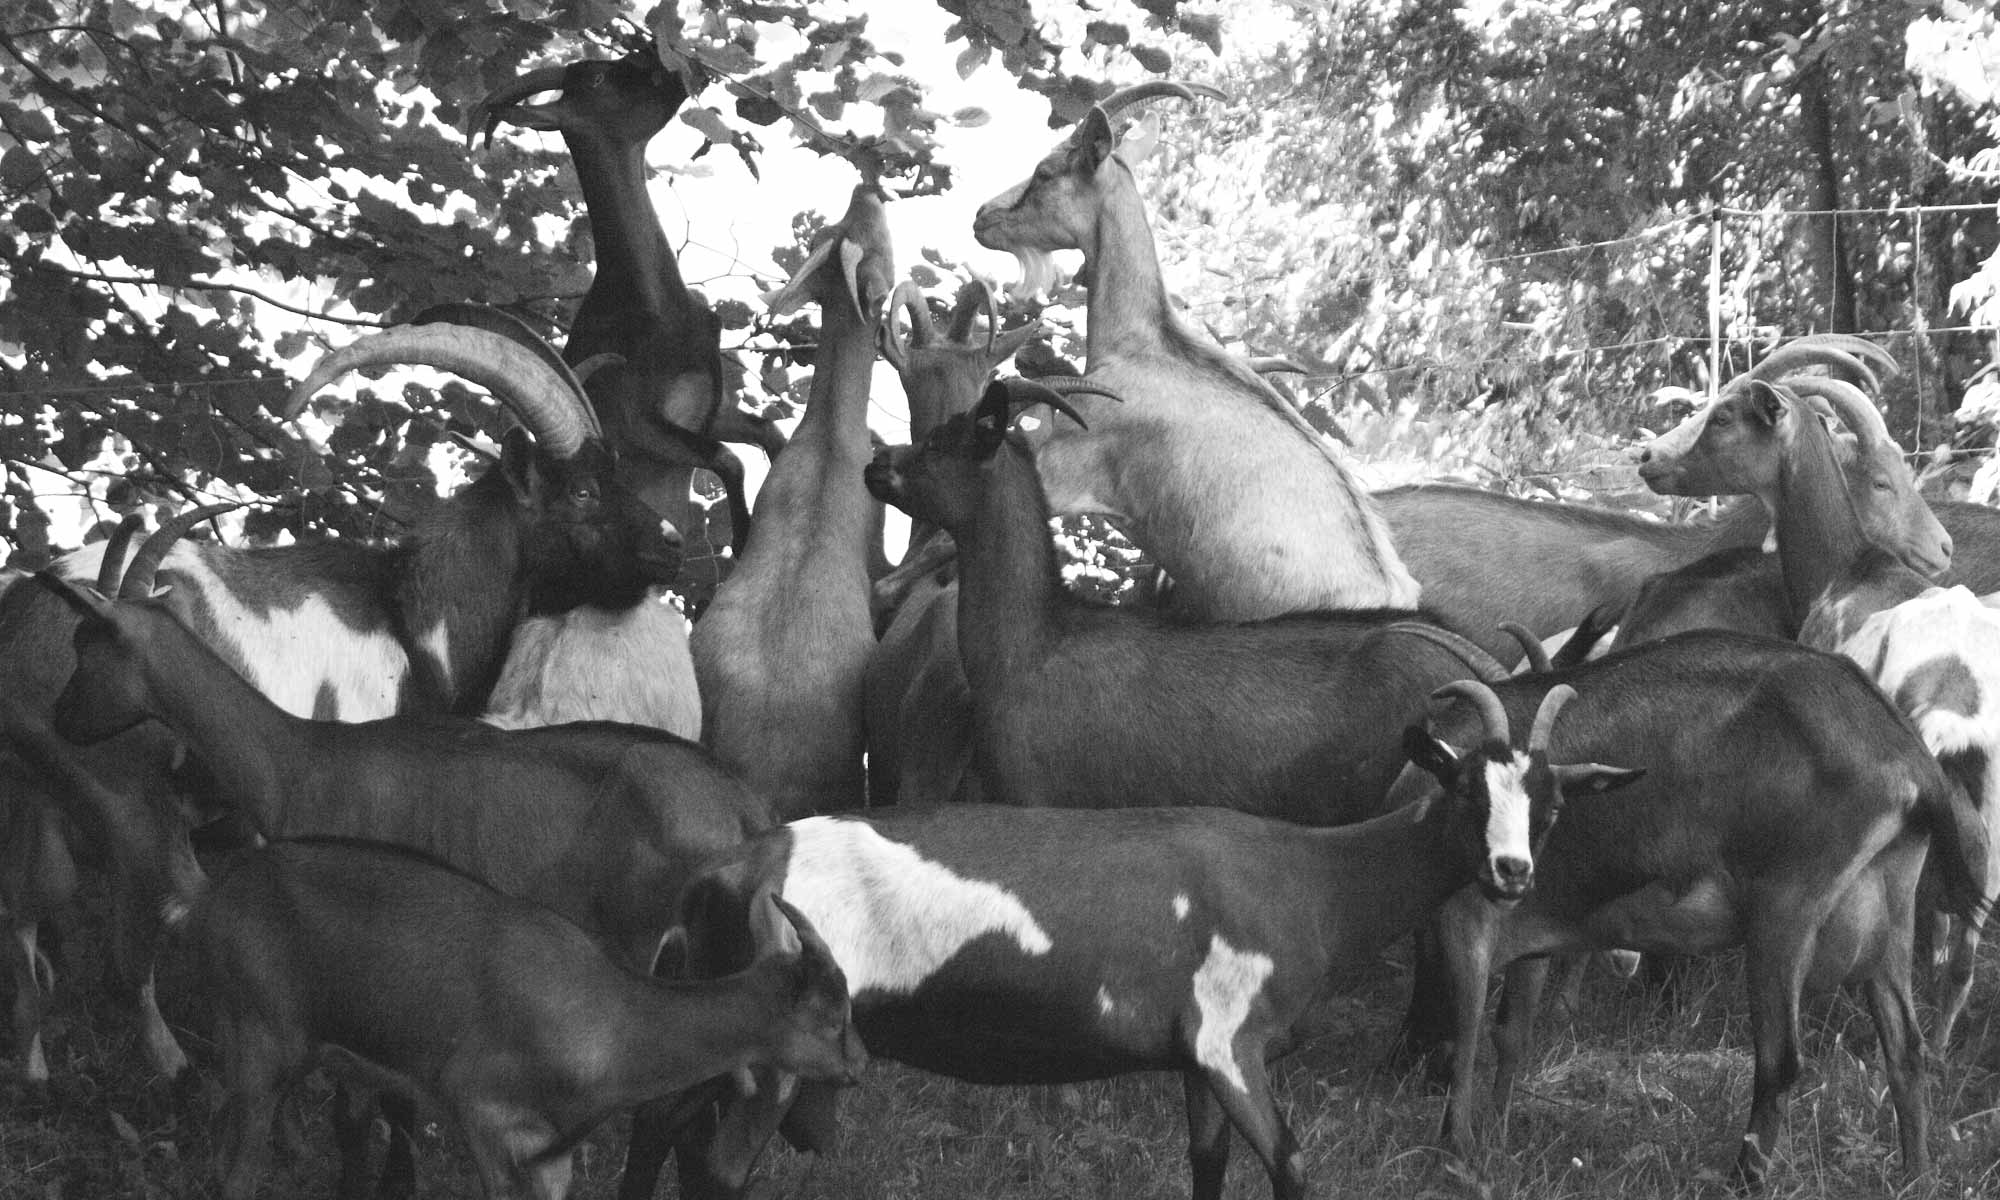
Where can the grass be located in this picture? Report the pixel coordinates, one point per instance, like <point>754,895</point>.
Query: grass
<point>1631,1096</point>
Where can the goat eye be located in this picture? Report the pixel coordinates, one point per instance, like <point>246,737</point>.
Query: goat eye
<point>1882,485</point>
<point>583,494</point>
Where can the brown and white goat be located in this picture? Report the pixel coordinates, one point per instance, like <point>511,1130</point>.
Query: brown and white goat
<point>990,944</point>
<point>781,651</point>
<point>1934,650</point>
<point>1210,469</point>
<point>353,630</point>
<point>1079,705</point>
<point>1787,808</point>
<point>510,1018</point>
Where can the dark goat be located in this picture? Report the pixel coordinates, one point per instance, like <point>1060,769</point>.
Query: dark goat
<point>919,704</point>
<point>989,943</point>
<point>1079,705</point>
<point>666,402</point>
<point>1786,808</point>
<point>352,630</point>
<point>510,1018</point>
<point>599,821</point>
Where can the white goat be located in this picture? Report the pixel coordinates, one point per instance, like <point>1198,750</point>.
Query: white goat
<point>1938,657</point>
<point>1241,501</point>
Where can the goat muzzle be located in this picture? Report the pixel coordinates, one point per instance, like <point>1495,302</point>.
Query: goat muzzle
<point>881,478</point>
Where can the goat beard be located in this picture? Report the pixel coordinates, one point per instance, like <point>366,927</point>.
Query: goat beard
<point>1039,276</point>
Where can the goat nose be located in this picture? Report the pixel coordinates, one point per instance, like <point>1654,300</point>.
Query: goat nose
<point>1512,875</point>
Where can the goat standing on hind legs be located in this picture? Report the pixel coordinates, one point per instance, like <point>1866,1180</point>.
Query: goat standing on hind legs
<point>782,649</point>
<point>1208,468</point>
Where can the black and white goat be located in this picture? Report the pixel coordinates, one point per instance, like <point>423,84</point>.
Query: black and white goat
<point>354,630</point>
<point>511,1019</point>
<point>1787,808</point>
<point>990,944</point>
<point>1080,705</point>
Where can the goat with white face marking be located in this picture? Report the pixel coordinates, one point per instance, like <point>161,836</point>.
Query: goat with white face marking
<point>1787,808</point>
<point>601,822</point>
<point>1208,467</point>
<point>1079,705</point>
<point>355,630</point>
<point>990,944</point>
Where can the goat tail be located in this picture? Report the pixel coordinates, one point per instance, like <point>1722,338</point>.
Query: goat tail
<point>1959,848</point>
<point>1484,666</point>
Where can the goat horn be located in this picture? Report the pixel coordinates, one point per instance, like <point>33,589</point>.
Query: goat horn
<point>138,581</point>
<point>1531,646</point>
<point>1154,89</point>
<point>1492,713</point>
<point>1016,393</point>
<point>485,115</point>
<point>1848,402</point>
<point>1073,385</point>
<point>1545,718</point>
<point>907,298</point>
<point>595,363</point>
<point>500,321</point>
<point>1843,352</point>
<point>1468,651</point>
<point>1269,364</point>
<point>548,404</point>
<point>113,564</point>
<point>972,297</point>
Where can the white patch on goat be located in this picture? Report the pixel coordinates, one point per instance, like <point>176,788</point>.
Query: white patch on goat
<point>436,642</point>
<point>1182,905</point>
<point>589,664</point>
<point>292,655</point>
<point>1507,813</point>
<point>891,916</point>
<point>1104,1002</point>
<point>1225,987</point>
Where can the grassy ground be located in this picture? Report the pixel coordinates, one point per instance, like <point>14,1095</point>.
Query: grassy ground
<point>1632,1097</point>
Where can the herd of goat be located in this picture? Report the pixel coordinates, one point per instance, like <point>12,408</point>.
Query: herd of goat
<point>517,844</point>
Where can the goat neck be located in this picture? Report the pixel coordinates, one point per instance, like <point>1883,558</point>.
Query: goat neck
<point>1010,593</point>
<point>247,742</point>
<point>1824,551</point>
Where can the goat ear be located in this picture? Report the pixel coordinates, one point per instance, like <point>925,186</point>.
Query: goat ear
<point>674,956</point>
<point>1594,778</point>
<point>771,929</point>
<point>517,461</point>
<point>1093,141</point>
<point>87,601</point>
<point>1766,403</point>
<point>1429,753</point>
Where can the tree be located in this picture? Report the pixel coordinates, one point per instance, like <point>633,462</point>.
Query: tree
<point>193,196</point>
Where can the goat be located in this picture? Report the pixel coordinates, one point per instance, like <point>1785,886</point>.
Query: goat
<point>670,381</point>
<point>1210,469</point>
<point>988,944</point>
<point>1935,650</point>
<point>782,648</point>
<point>509,1017</point>
<point>1074,704</point>
<point>599,821</point>
<point>1786,808</point>
<point>352,630</point>
<point>918,701</point>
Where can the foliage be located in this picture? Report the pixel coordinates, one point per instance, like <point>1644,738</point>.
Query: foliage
<point>1503,211</point>
<point>193,198</point>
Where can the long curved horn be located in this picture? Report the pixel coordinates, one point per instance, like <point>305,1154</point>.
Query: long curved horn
<point>972,299</point>
<point>1074,385</point>
<point>1153,89</point>
<point>485,115</point>
<point>1531,646</point>
<point>1545,718</point>
<point>138,581</point>
<point>1272,364</point>
<point>113,564</point>
<point>1019,393</point>
<point>558,416</point>
<point>1484,666</point>
<point>1848,402</point>
<point>506,324</point>
<point>1852,356</point>
<point>1482,698</point>
<point>907,298</point>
